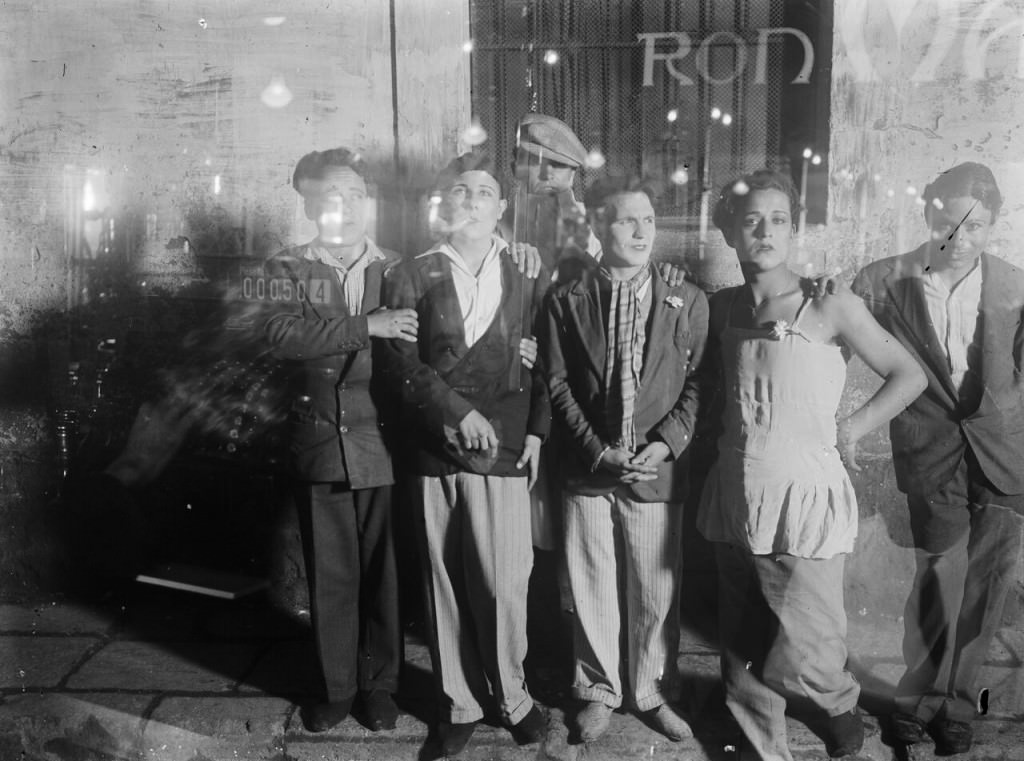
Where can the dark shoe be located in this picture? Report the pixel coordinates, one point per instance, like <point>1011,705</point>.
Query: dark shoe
<point>532,728</point>
<point>844,734</point>
<point>669,723</point>
<point>381,711</point>
<point>593,721</point>
<point>907,728</point>
<point>319,717</point>
<point>454,737</point>
<point>951,737</point>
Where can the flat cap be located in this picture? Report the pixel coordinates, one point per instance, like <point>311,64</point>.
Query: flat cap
<point>544,135</point>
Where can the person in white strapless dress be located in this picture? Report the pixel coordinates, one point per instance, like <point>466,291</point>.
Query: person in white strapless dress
<point>778,503</point>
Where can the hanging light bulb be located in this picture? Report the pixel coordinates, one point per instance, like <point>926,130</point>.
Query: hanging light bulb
<point>276,94</point>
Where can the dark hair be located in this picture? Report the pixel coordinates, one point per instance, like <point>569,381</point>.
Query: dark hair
<point>595,198</point>
<point>731,200</point>
<point>969,179</point>
<point>473,161</point>
<point>314,165</point>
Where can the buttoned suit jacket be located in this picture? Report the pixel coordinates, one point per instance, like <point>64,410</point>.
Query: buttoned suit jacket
<point>439,379</point>
<point>931,437</point>
<point>573,344</point>
<point>335,431</point>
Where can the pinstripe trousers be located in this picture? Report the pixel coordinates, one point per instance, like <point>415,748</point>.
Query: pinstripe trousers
<point>476,539</point>
<point>623,553</point>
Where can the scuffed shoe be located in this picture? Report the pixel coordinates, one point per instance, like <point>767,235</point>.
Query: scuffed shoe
<point>532,728</point>
<point>669,723</point>
<point>321,717</point>
<point>593,720</point>
<point>455,737</point>
<point>379,709</point>
<point>844,734</point>
<point>951,737</point>
<point>907,728</point>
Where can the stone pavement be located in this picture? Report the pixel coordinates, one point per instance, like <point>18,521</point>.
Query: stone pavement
<point>158,675</point>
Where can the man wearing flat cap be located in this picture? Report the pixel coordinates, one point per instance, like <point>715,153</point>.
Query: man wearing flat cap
<point>544,212</point>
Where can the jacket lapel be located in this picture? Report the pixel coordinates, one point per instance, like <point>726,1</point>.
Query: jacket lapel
<point>585,308</point>
<point>906,289</point>
<point>662,326</point>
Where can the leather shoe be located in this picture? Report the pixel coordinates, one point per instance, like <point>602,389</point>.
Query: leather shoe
<point>319,717</point>
<point>844,734</point>
<point>907,728</point>
<point>951,737</point>
<point>593,720</point>
<point>381,711</point>
<point>669,723</point>
<point>455,737</point>
<point>532,728</point>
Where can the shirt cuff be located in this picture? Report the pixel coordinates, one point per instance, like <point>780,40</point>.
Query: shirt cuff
<point>597,460</point>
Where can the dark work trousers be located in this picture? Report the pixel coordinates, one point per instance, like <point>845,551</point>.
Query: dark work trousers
<point>353,585</point>
<point>967,539</point>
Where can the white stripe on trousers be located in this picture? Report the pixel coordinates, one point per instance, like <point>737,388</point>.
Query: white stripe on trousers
<point>477,540</point>
<point>607,537</point>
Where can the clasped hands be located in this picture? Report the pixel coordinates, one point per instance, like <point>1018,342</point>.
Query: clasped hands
<point>632,468</point>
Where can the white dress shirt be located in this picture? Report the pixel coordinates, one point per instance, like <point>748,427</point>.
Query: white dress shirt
<point>479,293</point>
<point>954,313</point>
<point>351,278</point>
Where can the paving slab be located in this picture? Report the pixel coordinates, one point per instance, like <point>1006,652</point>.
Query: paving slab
<point>285,668</point>
<point>55,726</point>
<point>159,667</point>
<point>249,728</point>
<point>57,617</point>
<point>28,662</point>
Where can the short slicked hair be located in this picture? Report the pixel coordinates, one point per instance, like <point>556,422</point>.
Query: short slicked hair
<point>314,165</point>
<point>473,161</point>
<point>971,180</point>
<point>596,197</point>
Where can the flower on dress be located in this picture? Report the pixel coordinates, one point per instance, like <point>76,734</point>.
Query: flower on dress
<point>779,329</point>
<point>674,302</point>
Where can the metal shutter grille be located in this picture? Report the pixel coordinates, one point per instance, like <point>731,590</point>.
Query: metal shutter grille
<point>596,85</point>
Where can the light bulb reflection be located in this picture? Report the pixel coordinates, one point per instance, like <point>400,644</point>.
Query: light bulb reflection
<point>816,159</point>
<point>595,159</point>
<point>551,57</point>
<point>331,220</point>
<point>716,113</point>
<point>726,119</point>
<point>276,94</point>
<point>673,115</point>
<point>88,197</point>
<point>474,134</point>
<point>741,188</point>
<point>467,46</point>
<point>680,176</point>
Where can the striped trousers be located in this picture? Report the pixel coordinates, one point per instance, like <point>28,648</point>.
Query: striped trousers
<point>475,536</point>
<point>624,558</point>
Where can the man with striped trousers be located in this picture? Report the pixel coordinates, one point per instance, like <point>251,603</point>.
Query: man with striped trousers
<point>620,346</point>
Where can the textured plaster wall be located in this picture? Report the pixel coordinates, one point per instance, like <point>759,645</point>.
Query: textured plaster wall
<point>917,87</point>
<point>162,108</point>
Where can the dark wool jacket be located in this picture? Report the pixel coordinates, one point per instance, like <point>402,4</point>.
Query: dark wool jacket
<point>573,342</point>
<point>930,437</point>
<point>335,431</point>
<point>439,379</point>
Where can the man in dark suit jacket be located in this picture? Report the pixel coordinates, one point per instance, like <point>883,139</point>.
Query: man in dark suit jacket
<point>324,300</point>
<point>475,420</point>
<point>958,449</point>
<point>619,345</point>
